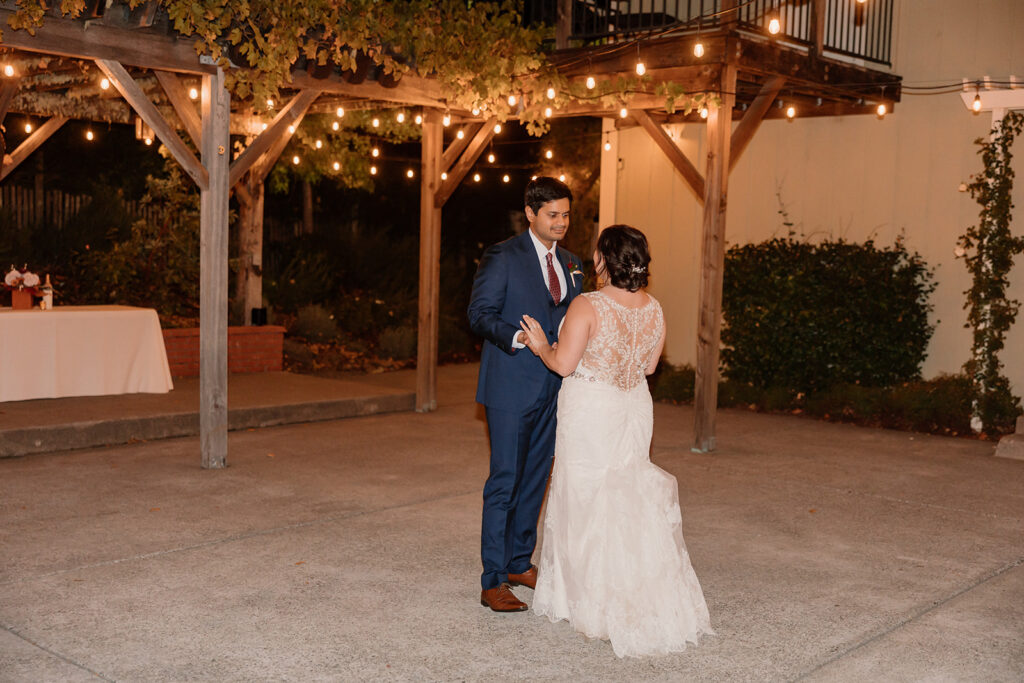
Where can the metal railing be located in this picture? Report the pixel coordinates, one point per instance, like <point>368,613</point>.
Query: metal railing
<point>861,30</point>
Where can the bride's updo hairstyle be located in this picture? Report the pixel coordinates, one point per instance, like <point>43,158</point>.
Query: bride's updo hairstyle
<point>626,256</point>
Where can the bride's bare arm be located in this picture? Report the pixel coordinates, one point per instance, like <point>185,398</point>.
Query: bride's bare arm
<point>656,355</point>
<point>572,341</point>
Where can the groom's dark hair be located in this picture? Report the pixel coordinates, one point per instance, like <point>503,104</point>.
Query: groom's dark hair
<point>544,189</point>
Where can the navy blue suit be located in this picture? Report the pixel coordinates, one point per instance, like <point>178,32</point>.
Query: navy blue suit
<point>519,394</point>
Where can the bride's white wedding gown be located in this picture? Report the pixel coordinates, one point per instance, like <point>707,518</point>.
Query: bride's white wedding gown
<point>612,560</point>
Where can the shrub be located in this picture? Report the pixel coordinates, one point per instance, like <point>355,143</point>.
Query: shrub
<point>398,342</point>
<point>314,323</point>
<point>672,382</point>
<point>806,317</point>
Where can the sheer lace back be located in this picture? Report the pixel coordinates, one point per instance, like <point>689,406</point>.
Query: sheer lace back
<point>621,349</point>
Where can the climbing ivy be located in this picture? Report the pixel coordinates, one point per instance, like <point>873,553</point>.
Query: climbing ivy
<point>988,249</point>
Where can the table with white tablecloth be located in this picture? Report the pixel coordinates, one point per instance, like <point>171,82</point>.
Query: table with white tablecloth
<point>81,351</point>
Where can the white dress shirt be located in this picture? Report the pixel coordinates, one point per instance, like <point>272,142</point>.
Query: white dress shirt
<point>542,256</point>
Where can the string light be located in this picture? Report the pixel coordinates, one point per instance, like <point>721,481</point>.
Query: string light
<point>264,125</point>
<point>512,100</point>
<point>533,177</point>
<point>318,144</point>
<point>490,158</point>
<point>409,173</point>
<point>375,152</point>
<point>444,175</point>
<point>881,110</point>
<point>607,145</point>
<point>790,112</point>
<point>270,104</point>
<point>340,112</point>
<point>373,170</point>
<point>28,127</point>
<point>105,84</point>
<point>419,119</point>
<point>497,128</point>
<point>562,177</point>
<point>400,117</point>
<point>295,159</point>
<point>8,70</point>
<point>334,126</point>
<point>774,26</point>
<point>89,135</point>
<point>291,129</point>
<point>375,123</point>
<point>476,111</point>
<point>460,133</point>
<point>476,177</point>
<point>547,112</point>
<point>446,120</point>
<point>505,178</point>
<point>976,104</point>
<point>193,94</point>
<point>337,166</point>
<point>551,93</point>
<point>640,69</point>
<point>703,112</point>
<point>548,154</point>
<point>698,49</point>
<point>591,83</point>
<point>623,113</point>
<point>148,141</point>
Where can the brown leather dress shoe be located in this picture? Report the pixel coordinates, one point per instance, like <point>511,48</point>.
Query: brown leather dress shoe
<point>527,578</point>
<point>502,599</point>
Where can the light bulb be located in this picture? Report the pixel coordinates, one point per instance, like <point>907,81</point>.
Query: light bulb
<point>374,152</point>
<point>476,177</point>
<point>548,154</point>
<point>551,93</point>
<point>89,135</point>
<point>460,133</point>
<point>8,70</point>
<point>409,173</point>
<point>319,144</point>
<point>446,120</point>
<point>591,82</point>
<point>881,110</point>
<point>512,100</point>
<point>334,126</point>
<point>373,170</point>
<point>562,177</point>
<point>976,104</point>
<point>28,127</point>
<point>419,119</point>
<point>104,84</point>
<point>547,112</point>
<point>291,129</point>
<point>264,126</point>
<point>444,175</point>
<point>790,112</point>
<point>340,112</point>
<point>533,177</point>
<point>640,69</point>
<point>774,26</point>
<point>476,111</point>
<point>703,112</point>
<point>623,113</point>
<point>490,158</point>
<point>505,178</point>
<point>698,49</point>
<point>375,123</point>
<point>337,166</point>
<point>193,94</point>
<point>148,141</point>
<point>607,146</point>
<point>270,104</point>
<point>400,117</point>
<point>295,159</point>
<point>497,128</point>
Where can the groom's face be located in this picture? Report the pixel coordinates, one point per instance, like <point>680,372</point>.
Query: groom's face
<point>551,222</point>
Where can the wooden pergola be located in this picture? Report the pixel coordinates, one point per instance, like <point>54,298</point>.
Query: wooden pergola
<point>149,66</point>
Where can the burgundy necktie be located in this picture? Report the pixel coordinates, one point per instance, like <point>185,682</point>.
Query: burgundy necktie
<point>553,284</point>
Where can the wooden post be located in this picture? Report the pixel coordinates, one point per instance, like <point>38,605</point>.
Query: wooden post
<point>713,263</point>
<point>818,26</point>
<point>563,25</point>
<point>213,274</point>
<point>430,262</point>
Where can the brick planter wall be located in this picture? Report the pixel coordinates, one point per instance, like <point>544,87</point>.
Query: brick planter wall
<point>250,349</point>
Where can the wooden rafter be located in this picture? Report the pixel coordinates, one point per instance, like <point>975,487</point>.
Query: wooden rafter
<point>751,121</point>
<point>31,143</point>
<point>7,92</point>
<point>458,145</point>
<point>183,106</point>
<point>685,167</point>
<point>466,161</point>
<point>291,114</point>
<point>135,97</point>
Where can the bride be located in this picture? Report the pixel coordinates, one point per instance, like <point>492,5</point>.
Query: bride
<point>612,560</point>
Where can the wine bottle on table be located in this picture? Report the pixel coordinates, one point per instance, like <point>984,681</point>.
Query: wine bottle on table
<point>47,294</point>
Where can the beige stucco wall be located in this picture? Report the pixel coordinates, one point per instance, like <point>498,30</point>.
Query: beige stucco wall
<point>854,177</point>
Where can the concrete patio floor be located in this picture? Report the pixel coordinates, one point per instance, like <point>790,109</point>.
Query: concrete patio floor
<point>348,550</point>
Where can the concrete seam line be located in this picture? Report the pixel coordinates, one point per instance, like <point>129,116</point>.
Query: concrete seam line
<point>14,632</point>
<point>914,616</point>
<point>236,537</point>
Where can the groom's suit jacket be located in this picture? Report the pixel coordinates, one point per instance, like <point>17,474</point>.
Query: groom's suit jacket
<point>509,283</point>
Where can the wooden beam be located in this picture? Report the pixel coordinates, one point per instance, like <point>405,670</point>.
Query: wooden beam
<point>430,262</point>
<point>465,162</point>
<point>690,174</point>
<point>183,106</point>
<point>85,40</point>
<point>133,94</point>
<point>709,318</point>
<point>289,115</point>
<point>30,144</point>
<point>458,145</point>
<point>751,121</point>
<point>7,92</point>
<point>410,90</point>
<point>213,274</point>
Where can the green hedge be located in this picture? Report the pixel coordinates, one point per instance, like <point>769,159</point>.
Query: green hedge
<point>810,316</point>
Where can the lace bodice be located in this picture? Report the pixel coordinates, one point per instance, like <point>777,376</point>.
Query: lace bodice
<point>620,351</point>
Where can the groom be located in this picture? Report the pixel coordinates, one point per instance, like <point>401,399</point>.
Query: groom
<point>528,274</point>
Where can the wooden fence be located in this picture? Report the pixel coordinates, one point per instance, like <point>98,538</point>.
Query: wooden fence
<point>24,208</point>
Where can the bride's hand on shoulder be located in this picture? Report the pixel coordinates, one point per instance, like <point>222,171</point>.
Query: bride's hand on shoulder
<point>535,340</point>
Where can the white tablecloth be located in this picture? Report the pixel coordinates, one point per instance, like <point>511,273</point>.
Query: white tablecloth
<point>81,351</point>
